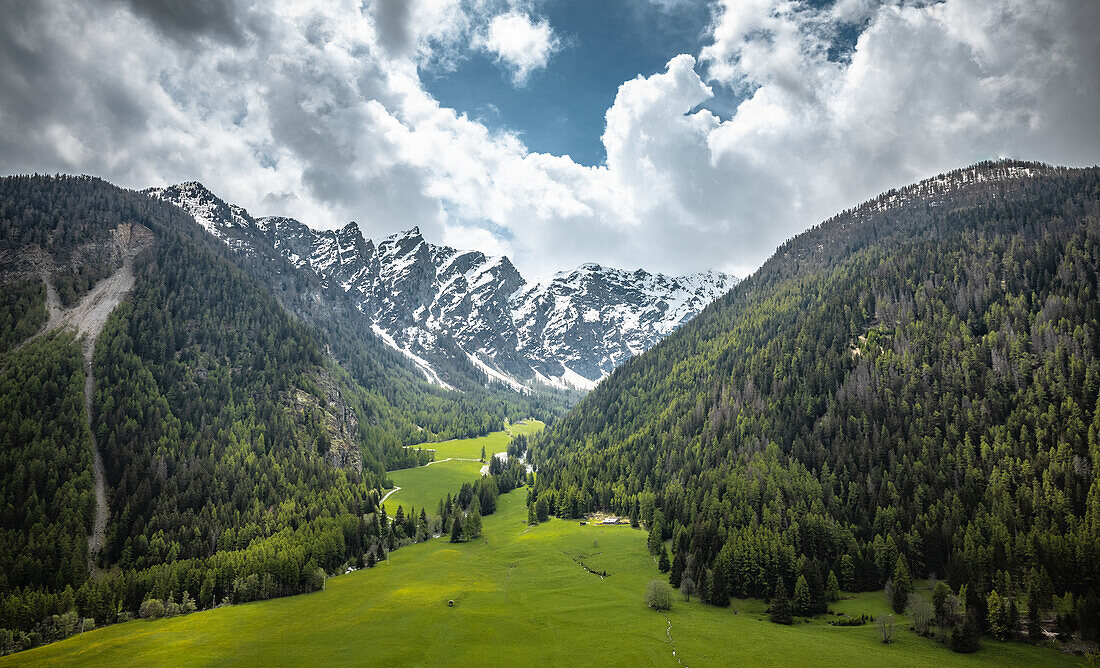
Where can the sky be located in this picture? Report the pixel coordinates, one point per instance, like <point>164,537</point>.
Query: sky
<point>671,135</point>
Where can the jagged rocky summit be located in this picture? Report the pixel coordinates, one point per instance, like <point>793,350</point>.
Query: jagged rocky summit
<point>433,302</point>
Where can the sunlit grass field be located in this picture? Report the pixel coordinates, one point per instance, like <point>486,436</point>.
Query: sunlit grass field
<point>521,598</point>
<point>470,448</point>
<point>424,486</point>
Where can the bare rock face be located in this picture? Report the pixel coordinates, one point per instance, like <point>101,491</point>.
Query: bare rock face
<point>327,424</point>
<point>450,311</point>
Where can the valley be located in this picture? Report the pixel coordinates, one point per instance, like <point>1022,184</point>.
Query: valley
<point>275,468</point>
<point>518,596</point>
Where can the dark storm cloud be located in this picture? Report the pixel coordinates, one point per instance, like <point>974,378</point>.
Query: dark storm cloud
<point>45,85</point>
<point>391,19</point>
<point>184,20</point>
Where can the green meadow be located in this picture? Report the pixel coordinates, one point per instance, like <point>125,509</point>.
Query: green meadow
<point>521,597</point>
<point>424,486</point>
<point>470,448</point>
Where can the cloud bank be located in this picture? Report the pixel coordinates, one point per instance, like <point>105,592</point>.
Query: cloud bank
<point>317,110</point>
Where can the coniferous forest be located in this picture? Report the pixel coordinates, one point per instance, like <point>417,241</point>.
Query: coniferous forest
<point>242,460</point>
<point>907,390</point>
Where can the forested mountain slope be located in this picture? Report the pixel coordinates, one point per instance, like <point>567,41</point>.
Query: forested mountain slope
<point>914,378</point>
<point>241,456</point>
<point>350,335</point>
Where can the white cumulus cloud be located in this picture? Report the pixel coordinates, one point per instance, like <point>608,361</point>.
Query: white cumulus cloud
<point>519,43</point>
<point>317,110</point>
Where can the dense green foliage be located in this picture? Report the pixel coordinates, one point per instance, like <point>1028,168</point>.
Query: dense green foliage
<point>69,225</point>
<point>529,600</point>
<point>55,214</point>
<point>203,448</point>
<point>914,385</point>
<point>22,311</point>
<point>243,460</point>
<point>45,466</point>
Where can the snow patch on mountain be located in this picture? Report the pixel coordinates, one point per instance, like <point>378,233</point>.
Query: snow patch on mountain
<point>439,306</point>
<point>422,364</point>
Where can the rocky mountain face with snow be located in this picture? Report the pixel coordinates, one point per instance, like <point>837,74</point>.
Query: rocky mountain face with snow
<point>447,310</point>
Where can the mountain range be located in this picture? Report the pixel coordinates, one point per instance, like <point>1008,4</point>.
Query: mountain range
<point>451,311</point>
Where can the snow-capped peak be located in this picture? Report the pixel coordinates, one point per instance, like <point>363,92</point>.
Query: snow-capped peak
<point>429,301</point>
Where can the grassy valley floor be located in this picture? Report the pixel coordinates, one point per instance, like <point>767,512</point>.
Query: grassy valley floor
<point>521,597</point>
<point>424,486</point>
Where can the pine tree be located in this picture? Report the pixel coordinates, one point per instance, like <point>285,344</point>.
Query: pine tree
<point>718,593</point>
<point>654,540</point>
<point>473,521</point>
<point>781,605</point>
<point>676,574</point>
<point>1088,616</point>
<point>1034,619</point>
<point>903,586</point>
<point>996,615</point>
<point>803,602</point>
<point>662,562</point>
<point>965,638</point>
<point>847,573</point>
<point>832,588</point>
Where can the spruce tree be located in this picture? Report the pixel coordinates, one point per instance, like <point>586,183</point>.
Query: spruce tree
<point>781,605</point>
<point>654,540</point>
<point>1034,619</point>
<point>676,574</point>
<point>803,602</point>
<point>456,528</point>
<point>965,638</point>
<point>1012,618</point>
<point>662,562</point>
<point>996,614</point>
<point>473,521</point>
<point>832,588</point>
<point>1088,616</point>
<point>718,593</point>
<point>847,573</point>
<point>903,586</point>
